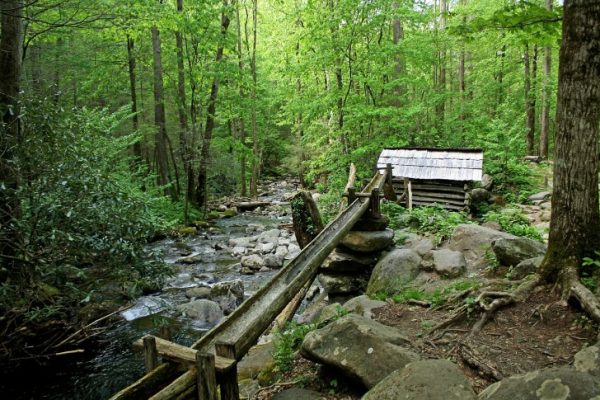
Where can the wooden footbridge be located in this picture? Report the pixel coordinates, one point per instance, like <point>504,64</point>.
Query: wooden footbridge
<point>194,372</point>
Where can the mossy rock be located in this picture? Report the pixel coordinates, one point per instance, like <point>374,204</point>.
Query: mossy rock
<point>214,215</point>
<point>230,212</point>
<point>187,230</point>
<point>47,291</point>
<point>201,224</point>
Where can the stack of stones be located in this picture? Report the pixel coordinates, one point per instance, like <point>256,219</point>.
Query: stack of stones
<point>348,268</point>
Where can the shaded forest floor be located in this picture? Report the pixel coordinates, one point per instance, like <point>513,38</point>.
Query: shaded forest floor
<point>539,333</point>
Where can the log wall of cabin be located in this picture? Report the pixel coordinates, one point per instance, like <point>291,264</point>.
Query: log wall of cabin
<point>451,195</point>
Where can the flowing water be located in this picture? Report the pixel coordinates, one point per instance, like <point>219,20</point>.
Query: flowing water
<point>114,365</point>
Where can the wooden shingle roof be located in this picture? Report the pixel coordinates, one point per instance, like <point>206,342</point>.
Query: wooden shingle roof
<point>430,164</point>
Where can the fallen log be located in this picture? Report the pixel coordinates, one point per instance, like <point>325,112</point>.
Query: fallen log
<point>250,205</point>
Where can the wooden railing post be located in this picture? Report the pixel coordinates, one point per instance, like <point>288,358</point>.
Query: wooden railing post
<point>150,353</point>
<point>206,376</point>
<point>388,168</point>
<point>229,383</point>
<point>351,195</point>
<point>374,206</point>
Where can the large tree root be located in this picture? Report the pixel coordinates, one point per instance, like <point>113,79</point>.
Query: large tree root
<point>469,357</point>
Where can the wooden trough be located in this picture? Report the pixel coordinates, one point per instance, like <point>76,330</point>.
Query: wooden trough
<point>424,176</point>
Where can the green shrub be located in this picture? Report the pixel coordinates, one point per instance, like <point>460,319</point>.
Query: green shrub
<point>512,220</point>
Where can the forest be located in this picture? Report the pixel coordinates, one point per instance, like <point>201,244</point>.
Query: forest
<point>128,122</point>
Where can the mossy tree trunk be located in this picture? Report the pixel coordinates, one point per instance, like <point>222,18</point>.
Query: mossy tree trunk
<point>574,228</point>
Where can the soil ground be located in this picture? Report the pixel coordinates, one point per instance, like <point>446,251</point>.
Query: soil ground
<point>541,332</point>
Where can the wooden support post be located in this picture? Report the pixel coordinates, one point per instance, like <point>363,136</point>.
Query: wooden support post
<point>229,383</point>
<point>374,206</point>
<point>150,353</point>
<point>206,376</point>
<point>410,203</point>
<point>351,195</point>
<point>164,332</point>
<point>388,168</point>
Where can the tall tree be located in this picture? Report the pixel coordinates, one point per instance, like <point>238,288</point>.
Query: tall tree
<point>255,153</point>
<point>529,102</point>
<point>184,131</point>
<point>545,114</point>
<point>137,146</point>
<point>201,190</point>
<point>11,47</point>
<point>397,36</point>
<point>574,231</point>
<point>162,157</point>
<point>240,126</point>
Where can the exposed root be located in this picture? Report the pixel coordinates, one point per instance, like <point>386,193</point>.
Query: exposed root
<point>501,299</point>
<point>459,314</point>
<point>484,370</point>
<point>588,301</point>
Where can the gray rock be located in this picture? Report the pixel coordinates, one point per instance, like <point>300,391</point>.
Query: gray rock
<point>267,247</point>
<point>343,261</point>
<point>273,261</point>
<point>525,267</point>
<point>297,394</point>
<point>259,357</point>
<point>393,271</point>
<point>269,236</point>
<point>194,259</point>
<point>253,261</point>
<point>487,182</point>
<point>545,216</point>
<point>281,251</point>
<point>449,263</point>
<point>342,284</point>
<point>228,295</point>
<point>363,349</point>
<point>242,242</point>
<point>474,241</point>
<point>422,245</point>
<point>511,251</point>
<point>553,383</point>
<point>492,225</point>
<point>546,205</point>
<point>204,311</point>
<point>424,380</point>
<point>201,292</point>
<point>363,306</point>
<point>588,360</point>
<point>330,313</point>
<point>539,198</point>
<point>368,242</point>
<point>480,195</point>
<point>238,251</point>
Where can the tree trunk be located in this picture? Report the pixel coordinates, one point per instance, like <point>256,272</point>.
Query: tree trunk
<point>11,47</point>
<point>162,160</point>
<point>442,71</point>
<point>184,131</point>
<point>137,146</point>
<point>545,117</point>
<point>574,231</point>
<point>240,120</point>
<point>306,218</point>
<point>529,104</point>
<point>201,192</point>
<point>398,35</point>
<point>255,158</point>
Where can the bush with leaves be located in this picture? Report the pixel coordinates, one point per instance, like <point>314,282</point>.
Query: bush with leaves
<point>85,218</point>
<point>512,220</point>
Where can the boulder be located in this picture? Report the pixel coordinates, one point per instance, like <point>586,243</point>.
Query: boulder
<point>474,241</point>
<point>511,251</point>
<point>551,383</point>
<point>330,312</point>
<point>281,251</point>
<point>492,225</point>
<point>344,261</point>
<point>525,267</point>
<point>363,306</point>
<point>480,195</point>
<point>238,251</point>
<point>269,236</point>
<point>368,241</point>
<point>242,242</point>
<point>360,348</point>
<point>228,295</point>
<point>371,224</point>
<point>293,250</point>
<point>260,357</point>
<point>297,394</point>
<point>204,311</point>
<point>201,292</point>
<point>394,270</point>
<point>487,182</point>
<point>588,360</point>
<point>539,198</point>
<point>267,247</point>
<point>424,380</point>
<point>194,259</point>
<point>253,262</point>
<point>422,245</point>
<point>342,284</point>
<point>273,261</point>
<point>449,263</point>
